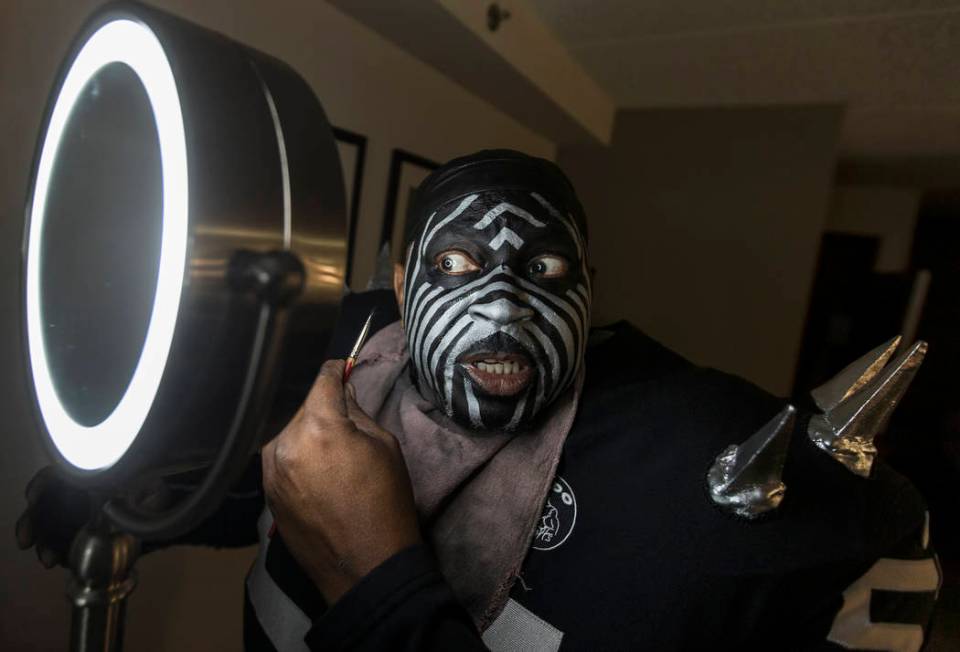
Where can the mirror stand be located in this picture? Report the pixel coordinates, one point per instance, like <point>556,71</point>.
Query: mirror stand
<point>102,577</point>
<point>104,552</point>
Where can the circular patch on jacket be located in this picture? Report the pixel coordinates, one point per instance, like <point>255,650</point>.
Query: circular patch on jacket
<point>558,517</point>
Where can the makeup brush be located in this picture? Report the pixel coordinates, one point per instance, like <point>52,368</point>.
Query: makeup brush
<point>355,351</point>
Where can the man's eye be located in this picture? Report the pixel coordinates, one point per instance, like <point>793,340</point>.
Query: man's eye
<point>548,267</point>
<point>456,263</point>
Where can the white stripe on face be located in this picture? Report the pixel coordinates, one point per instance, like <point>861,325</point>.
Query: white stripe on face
<point>413,273</point>
<point>518,414</point>
<point>448,340</point>
<point>506,234</point>
<point>417,314</point>
<point>473,405</point>
<point>464,205</point>
<point>505,207</point>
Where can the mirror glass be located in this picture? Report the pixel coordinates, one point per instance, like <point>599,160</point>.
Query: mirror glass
<point>101,244</point>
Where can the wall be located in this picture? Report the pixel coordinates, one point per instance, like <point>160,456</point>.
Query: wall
<point>884,212</point>
<point>704,228</point>
<point>191,599</point>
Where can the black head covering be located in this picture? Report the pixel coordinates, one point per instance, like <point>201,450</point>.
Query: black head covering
<point>487,170</point>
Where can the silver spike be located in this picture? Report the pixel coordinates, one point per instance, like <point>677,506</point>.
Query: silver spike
<point>853,377</point>
<point>747,479</point>
<point>846,432</point>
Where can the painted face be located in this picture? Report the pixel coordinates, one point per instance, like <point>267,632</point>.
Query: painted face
<point>496,307</point>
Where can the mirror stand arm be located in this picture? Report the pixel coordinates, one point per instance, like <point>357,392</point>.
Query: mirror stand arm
<point>274,278</point>
<point>104,551</point>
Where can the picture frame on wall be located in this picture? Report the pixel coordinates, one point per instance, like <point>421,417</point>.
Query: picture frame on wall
<point>407,171</point>
<point>352,148</point>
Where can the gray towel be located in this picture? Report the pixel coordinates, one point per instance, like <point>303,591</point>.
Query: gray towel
<point>479,495</point>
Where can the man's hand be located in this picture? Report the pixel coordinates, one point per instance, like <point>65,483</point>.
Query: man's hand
<point>338,488</point>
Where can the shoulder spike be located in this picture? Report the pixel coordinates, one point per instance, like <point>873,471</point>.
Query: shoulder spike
<point>747,479</point>
<point>853,377</point>
<point>846,432</point>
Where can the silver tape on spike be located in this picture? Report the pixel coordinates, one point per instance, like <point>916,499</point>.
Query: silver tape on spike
<point>747,479</point>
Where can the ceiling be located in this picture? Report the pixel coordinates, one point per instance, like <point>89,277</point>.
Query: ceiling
<point>895,64</point>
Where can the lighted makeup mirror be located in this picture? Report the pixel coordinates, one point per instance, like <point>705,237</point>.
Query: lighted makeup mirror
<point>183,257</point>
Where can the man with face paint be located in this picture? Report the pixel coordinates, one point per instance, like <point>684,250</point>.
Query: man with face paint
<point>584,491</point>
<point>496,306</point>
<point>497,475</point>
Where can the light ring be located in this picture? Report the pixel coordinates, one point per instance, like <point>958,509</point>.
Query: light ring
<point>100,446</point>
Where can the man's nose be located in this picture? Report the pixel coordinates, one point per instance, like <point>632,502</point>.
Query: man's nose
<point>502,311</point>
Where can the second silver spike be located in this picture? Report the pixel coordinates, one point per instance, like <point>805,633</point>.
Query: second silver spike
<point>846,432</point>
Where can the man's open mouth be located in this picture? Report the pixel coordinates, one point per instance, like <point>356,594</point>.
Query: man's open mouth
<point>499,373</point>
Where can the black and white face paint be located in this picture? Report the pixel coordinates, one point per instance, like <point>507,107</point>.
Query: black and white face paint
<point>496,307</point>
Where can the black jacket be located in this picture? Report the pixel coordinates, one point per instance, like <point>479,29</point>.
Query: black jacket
<point>631,552</point>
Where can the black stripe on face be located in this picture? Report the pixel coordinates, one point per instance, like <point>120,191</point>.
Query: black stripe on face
<point>566,318</point>
<point>572,317</point>
<point>448,314</point>
<point>496,413</point>
<point>442,303</point>
<point>437,372</point>
<point>446,309</point>
<point>458,400</point>
<point>434,307</point>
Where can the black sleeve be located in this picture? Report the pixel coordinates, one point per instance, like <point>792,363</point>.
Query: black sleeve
<point>403,604</point>
<point>884,600</point>
<point>889,606</point>
<point>891,603</point>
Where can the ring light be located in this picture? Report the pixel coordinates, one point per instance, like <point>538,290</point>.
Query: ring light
<point>183,258</point>
<point>99,446</point>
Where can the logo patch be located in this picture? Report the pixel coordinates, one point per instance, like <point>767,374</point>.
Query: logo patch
<point>558,517</point>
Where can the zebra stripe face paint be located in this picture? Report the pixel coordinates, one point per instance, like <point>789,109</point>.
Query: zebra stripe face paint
<point>496,307</point>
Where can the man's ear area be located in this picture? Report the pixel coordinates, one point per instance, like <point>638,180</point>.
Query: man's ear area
<point>398,270</point>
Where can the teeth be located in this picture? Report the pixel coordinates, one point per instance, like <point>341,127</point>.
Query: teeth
<point>499,367</point>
